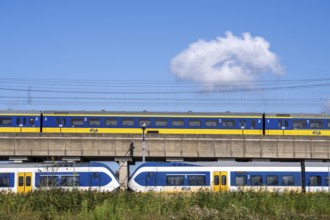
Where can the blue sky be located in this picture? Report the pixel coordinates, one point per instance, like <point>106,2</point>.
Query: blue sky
<point>215,56</point>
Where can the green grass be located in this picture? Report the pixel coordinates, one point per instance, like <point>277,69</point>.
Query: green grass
<point>59,204</point>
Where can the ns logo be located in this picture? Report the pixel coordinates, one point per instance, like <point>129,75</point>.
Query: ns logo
<point>316,132</point>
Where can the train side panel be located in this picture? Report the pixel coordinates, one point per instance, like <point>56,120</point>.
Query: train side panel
<point>20,122</point>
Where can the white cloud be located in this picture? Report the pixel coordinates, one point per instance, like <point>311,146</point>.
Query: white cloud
<point>228,60</point>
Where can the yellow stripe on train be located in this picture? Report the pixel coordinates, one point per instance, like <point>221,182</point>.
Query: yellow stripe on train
<point>19,129</point>
<point>306,132</point>
<point>153,130</point>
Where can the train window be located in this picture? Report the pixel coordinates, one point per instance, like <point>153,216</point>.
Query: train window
<point>327,180</point>
<point>177,123</point>
<point>146,121</point>
<point>223,180</point>
<point>28,181</point>
<point>161,123</point>
<point>328,122</point>
<point>315,180</point>
<point>5,121</point>
<point>48,181</point>
<point>70,180</point>
<point>194,123</point>
<point>240,180</point>
<point>127,122</point>
<point>228,123</point>
<point>272,180</point>
<point>20,181</point>
<point>256,180</point>
<point>94,121</point>
<point>318,124</point>
<point>211,123</point>
<point>77,121</point>
<point>253,123</point>
<point>287,180</point>
<point>18,121</point>
<point>298,124</point>
<point>4,181</point>
<point>31,121</point>
<point>216,180</point>
<point>111,122</point>
<point>242,123</point>
<point>196,180</point>
<point>24,121</point>
<point>60,121</point>
<point>174,180</point>
<point>286,123</point>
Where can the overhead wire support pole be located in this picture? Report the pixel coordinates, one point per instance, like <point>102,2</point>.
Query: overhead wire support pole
<point>143,143</point>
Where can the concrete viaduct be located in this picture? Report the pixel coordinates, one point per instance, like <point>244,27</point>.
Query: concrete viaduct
<point>115,147</point>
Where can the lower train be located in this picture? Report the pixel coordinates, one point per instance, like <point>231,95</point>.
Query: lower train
<point>23,178</point>
<point>164,123</point>
<point>230,176</point>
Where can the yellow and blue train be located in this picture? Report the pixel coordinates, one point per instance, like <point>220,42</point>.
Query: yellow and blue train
<point>164,123</point>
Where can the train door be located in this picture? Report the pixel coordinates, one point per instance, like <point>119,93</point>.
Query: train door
<point>220,181</point>
<point>151,180</point>
<point>95,179</point>
<point>283,125</point>
<point>20,123</point>
<point>24,182</point>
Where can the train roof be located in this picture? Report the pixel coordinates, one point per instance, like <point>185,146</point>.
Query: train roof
<point>52,164</point>
<point>297,115</point>
<point>19,112</point>
<point>151,113</point>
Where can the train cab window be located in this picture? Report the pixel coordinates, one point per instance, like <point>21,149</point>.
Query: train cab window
<point>196,180</point>
<point>60,121</point>
<point>4,181</point>
<point>287,180</point>
<point>228,123</point>
<point>111,122</point>
<point>5,121</point>
<point>94,121</point>
<point>256,180</point>
<point>327,180</point>
<point>77,121</point>
<point>299,124</point>
<point>177,123</point>
<point>31,121</point>
<point>242,123</point>
<point>194,123</point>
<point>211,123</point>
<point>70,180</point>
<point>174,180</point>
<point>315,180</point>
<point>316,124</point>
<point>271,180</point>
<point>146,121</point>
<point>127,122</point>
<point>216,180</point>
<point>161,123</point>
<point>240,180</point>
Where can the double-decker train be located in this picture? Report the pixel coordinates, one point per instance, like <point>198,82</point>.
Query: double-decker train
<point>26,177</point>
<point>230,176</point>
<point>164,123</point>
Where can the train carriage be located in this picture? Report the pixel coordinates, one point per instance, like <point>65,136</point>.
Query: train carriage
<point>156,122</point>
<point>26,177</point>
<point>297,124</point>
<point>229,176</point>
<point>20,121</point>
